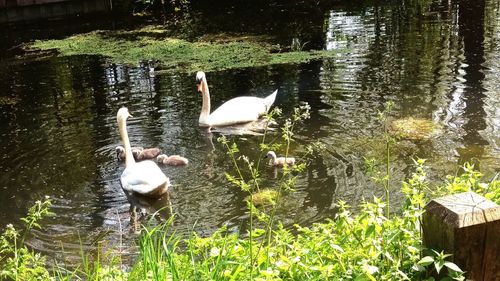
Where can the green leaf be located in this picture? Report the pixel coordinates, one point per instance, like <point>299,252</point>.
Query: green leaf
<point>452,266</point>
<point>438,265</point>
<point>370,230</point>
<point>418,268</point>
<point>426,261</point>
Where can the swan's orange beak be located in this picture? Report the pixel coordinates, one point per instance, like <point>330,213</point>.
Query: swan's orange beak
<point>200,87</point>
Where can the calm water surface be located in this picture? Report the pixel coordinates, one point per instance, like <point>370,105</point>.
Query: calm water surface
<point>439,61</point>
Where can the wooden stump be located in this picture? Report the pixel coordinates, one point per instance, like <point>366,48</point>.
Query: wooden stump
<point>467,226</point>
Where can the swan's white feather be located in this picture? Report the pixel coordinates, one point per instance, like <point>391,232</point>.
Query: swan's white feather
<point>143,177</point>
<point>241,110</point>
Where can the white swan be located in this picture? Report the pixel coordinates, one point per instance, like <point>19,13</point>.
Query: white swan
<point>235,111</point>
<point>144,178</point>
<point>279,161</point>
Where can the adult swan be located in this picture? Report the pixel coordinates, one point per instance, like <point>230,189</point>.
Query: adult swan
<point>144,178</point>
<point>235,111</point>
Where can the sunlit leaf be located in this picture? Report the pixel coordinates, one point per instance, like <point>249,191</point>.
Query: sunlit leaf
<point>452,266</point>
<point>426,261</point>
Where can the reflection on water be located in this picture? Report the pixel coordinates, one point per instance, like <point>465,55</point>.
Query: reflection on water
<point>58,128</point>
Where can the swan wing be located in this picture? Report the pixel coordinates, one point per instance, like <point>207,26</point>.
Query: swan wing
<point>143,177</point>
<point>241,110</point>
<point>269,100</point>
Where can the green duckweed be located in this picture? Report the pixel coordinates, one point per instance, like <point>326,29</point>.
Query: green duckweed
<point>215,52</point>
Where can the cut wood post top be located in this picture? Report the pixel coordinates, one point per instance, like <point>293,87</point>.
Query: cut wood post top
<point>464,209</point>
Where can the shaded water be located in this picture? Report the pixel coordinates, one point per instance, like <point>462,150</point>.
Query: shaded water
<point>438,61</point>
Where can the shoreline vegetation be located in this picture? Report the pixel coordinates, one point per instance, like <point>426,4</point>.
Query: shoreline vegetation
<point>362,246</point>
<point>370,244</point>
<point>152,43</point>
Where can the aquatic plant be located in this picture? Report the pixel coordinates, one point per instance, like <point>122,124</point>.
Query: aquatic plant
<point>413,128</point>
<point>175,54</point>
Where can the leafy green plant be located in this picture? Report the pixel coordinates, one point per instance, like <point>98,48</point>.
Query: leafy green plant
<point>470,180</point>
<point>17,261</point>
<point>252,186</point>
<point>436,262</point>
<point>371,164</point>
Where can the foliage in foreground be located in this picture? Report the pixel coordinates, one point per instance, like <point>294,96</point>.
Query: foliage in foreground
<point>365,246</point>
<point>17,262</point>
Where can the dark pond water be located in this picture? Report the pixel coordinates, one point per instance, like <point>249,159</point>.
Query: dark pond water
<point>438,61</point>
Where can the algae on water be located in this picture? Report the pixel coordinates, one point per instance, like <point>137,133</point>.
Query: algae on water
<point>215,52</point>
<point>413,128</point>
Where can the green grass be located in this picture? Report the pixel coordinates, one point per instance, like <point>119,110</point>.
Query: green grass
<point>173,54</point>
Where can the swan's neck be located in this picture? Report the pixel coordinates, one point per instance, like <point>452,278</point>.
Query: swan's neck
<point>129,158</point>
<point>205,107</point>
<point>272,161</point>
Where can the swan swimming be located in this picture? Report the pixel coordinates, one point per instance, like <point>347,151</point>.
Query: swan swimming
<point>279,161</point>
<point>144,178</point>
<point>238,110</point>
<point>172,160</point>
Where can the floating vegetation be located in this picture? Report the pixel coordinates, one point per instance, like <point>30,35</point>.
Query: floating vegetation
<point>374,148</point>
<point>265,197</point>
<point>211,52</point>
<point>413,128</point>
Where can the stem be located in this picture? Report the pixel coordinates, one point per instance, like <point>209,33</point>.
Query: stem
<point>16,258</point>
<point>280,189</point>
<point>251,202</point>
<point>387,199</point>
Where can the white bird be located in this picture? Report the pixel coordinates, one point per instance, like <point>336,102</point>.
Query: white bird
<point>279,161</point>
<point>144,178</point>
<point>172,160</point>
<point>235,111</point>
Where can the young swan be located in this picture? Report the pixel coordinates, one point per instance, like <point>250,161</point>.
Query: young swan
<point>279,161</point>
<point>172,160</point>
<point>147,153</point>
<point>144,178</point>
<point>120,152</point>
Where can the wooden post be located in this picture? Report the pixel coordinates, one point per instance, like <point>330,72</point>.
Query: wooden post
<point>467,226</point>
